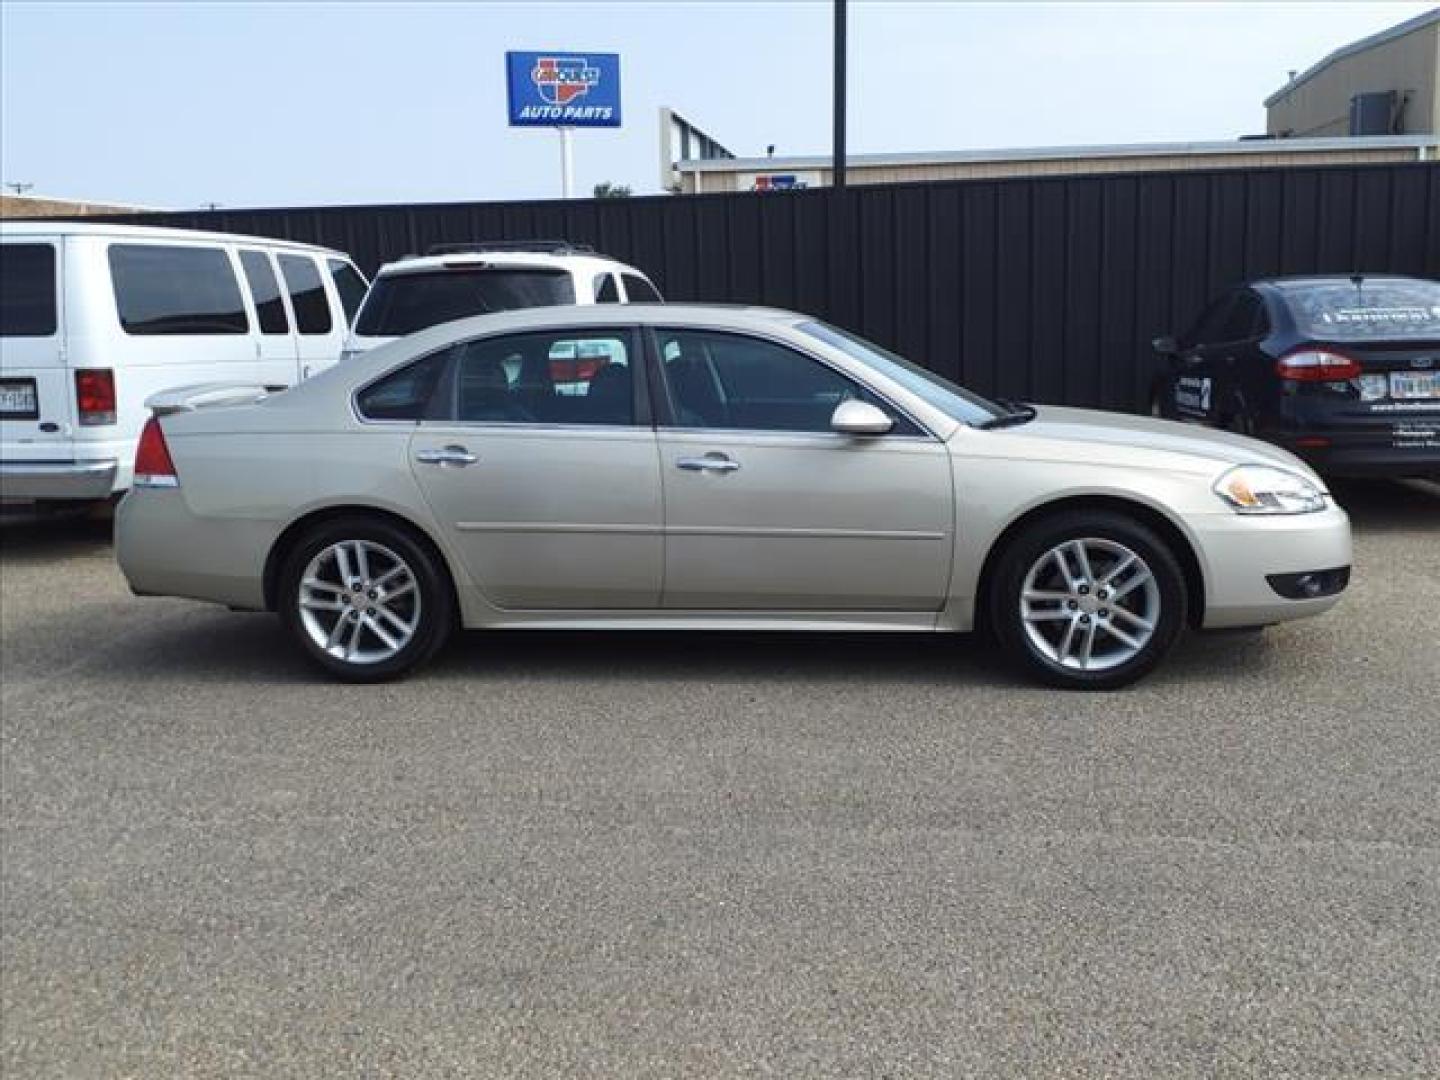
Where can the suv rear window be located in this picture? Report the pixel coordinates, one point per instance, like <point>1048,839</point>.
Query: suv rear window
<point>401,304</point>
<point>639,290</point>
<point>176,290</point>
<point>27,290</point>
<point>1370,311</point>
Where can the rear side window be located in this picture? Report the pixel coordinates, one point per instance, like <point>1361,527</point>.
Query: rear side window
<point>1371,310</point>
<point>408,394</point>
<point>401,304</point>
<point>265,291</point>
<point>639,290</point>
<point>162,290</point>
<point>1246,319</point>
<point>307,294</point>
<point>606,291</point>
<point>349,284</point>
<point>27,290</point>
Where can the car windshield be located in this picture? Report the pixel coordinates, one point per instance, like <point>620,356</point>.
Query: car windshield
<point>404,303</point>
<point>955,401</point>
<point>1366,310</point>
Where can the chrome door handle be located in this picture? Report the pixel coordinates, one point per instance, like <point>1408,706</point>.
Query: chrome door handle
<point>450,455</point>
<point>708,463</point>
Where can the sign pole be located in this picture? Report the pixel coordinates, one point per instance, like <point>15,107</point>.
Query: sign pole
<point>567,163</point>
<point>837,166</point>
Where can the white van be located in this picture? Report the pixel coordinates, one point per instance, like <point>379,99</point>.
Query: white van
<point>95,318</point>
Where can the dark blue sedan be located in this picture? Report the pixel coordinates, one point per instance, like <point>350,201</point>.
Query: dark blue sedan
<point>1343,371</point>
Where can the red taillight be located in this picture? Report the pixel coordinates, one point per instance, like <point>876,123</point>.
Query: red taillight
<point>1317,365</point>
<point>153,466</point>
<point>95,393</point>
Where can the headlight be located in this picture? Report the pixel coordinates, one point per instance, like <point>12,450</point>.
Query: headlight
<point>1260,489</point>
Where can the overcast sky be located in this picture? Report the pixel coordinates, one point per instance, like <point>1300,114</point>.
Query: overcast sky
<point>246,104</point>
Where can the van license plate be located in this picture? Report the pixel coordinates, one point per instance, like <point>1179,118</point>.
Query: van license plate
<point>18,400</point>
<point>1415,385</point>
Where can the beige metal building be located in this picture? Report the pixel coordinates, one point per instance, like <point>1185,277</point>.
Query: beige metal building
<point>1385,84</point>
<point>781,173</point>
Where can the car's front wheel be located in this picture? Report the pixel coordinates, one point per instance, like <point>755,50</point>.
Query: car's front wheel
<point>364,599</point>
<point>1088,600</point>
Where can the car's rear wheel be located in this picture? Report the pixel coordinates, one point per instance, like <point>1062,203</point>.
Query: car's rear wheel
<point>1088,600</point>
<point>365,599</point>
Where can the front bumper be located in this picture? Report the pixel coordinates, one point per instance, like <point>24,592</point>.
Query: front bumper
<point>1239,554</point>
<point>33,481</point>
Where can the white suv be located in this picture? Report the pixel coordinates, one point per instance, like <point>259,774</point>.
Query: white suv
<point>456,281</point>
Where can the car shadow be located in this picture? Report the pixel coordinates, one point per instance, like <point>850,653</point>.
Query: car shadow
<point>1388,505</point>
<point>36,539</point>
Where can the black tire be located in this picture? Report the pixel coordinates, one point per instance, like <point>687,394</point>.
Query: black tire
<point>434,614</point>
<point>1042,537</point>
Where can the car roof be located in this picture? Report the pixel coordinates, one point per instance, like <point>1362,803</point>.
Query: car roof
<point>147,232</point>
<point>585,262</point>
<point>736,317</point>
<point>1296,282</point>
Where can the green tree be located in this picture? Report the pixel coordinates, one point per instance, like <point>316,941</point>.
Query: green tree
<point>606,190</point>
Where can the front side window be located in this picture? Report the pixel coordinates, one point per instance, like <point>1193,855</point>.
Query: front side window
<point>731,381</point>
<point>349,284</point>
<point>404,303</point>
<point>1210,325</point>
<point>163,290</point>
<point>638,290</point>
<point>307,294</point>
<point>265,291</point>
<point>27,290</point>
<point>546,378</point>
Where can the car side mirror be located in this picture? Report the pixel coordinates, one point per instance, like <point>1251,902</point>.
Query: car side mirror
<point>1166,346</point>
<point>859,418</point>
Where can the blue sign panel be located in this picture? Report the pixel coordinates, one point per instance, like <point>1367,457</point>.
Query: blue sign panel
<point>563,89</point>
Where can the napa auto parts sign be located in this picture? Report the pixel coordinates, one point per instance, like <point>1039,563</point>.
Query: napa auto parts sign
<point>563,89</point>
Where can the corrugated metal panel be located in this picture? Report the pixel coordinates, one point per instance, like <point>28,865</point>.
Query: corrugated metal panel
<point>1046,288</point>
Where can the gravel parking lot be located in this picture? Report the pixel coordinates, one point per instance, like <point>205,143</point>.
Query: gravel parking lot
<point>657,855</point>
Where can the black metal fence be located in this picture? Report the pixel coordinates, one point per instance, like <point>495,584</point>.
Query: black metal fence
<point>1046,289</point>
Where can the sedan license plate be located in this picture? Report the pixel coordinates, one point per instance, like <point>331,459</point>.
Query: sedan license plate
<point>18,400</point>
<point>1415,385</point>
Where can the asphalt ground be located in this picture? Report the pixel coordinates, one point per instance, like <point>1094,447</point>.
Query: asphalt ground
<point>667,855</point>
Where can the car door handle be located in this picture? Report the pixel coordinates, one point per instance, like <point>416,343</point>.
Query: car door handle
<point>449,455</point>
<point>708,463</point>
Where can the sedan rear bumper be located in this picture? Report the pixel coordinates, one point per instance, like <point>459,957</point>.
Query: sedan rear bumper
<point>34,481</point>
<point>1240,554</point>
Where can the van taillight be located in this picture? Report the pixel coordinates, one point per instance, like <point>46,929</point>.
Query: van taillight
<point>95,393</point>
<point>1317,365</point>
<point>153,466</point>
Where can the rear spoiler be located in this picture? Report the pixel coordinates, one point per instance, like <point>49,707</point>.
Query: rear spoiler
<point>207,396</point>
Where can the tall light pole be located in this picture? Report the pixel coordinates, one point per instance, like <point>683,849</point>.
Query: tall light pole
<point>837,167</point>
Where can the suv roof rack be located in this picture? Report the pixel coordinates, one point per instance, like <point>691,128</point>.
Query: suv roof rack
<point>548,247</point>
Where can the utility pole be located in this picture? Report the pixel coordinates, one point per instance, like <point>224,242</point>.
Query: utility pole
<point>18,188</point>
<point>837,167</point>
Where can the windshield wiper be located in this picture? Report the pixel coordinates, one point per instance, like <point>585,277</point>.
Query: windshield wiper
<point>1016,413</point>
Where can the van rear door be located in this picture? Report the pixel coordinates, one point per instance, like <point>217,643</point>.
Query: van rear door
<point>37,398</point>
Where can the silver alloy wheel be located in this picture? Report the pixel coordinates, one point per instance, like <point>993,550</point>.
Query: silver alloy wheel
<point>1090,604</point>
<point>359,601</point>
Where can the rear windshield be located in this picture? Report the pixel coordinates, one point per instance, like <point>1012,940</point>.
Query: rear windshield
<point>27,290</point>
<point>404,303</point>
<point>1371,310</point>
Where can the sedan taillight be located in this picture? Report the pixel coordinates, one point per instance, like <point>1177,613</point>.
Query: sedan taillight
<point>1317,365</point>
<point>95,394</point>
<point>153,464</point>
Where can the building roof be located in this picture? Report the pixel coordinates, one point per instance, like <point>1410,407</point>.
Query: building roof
<point>1060,153</point>
<point>1428,18</point>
